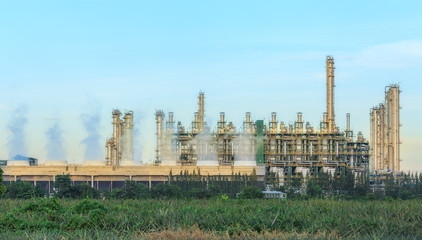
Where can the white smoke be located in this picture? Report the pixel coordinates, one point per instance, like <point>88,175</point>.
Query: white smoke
<point>93,145</point>
<point>16,126</point>
<point>55,149</point>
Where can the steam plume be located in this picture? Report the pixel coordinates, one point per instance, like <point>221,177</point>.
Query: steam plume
<point>17,142</point>
<point>55,150</point>
<point>92,141</point>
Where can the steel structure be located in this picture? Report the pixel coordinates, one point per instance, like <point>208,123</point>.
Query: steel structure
<point>385,132</point>
<point>294,149</point>
<point>119,148</point>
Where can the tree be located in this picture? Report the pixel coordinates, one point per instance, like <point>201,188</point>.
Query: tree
<point>23,190</point>
<point>313,189</point>
<point>63,186</point>
<point>2,187</point>
<point>65,189</point>
<point>133,190</point>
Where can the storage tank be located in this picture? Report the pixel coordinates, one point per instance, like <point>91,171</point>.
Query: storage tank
<point>55,163</point>
<point>94,163</point>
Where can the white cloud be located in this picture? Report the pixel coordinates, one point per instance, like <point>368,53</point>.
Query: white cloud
<point>397,55</point>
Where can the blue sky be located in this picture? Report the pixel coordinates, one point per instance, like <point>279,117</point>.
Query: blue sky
<point>65,62</point>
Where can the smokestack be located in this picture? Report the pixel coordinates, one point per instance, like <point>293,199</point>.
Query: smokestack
<point>248,122</point>
<point>170,123</point>
<point>299,123</point>
<point>201,111</point>
<point>330,92</point>
<point>159,116</point>
<point>348,125</point>
<point>222,122</point>
<point>274,122</point>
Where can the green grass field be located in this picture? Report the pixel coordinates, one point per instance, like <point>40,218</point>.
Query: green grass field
<point>209,219</point>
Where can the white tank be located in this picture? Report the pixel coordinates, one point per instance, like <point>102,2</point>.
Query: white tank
<point>18,163</point>
<point>207,163</point>
<point>245,163</point>
<point>55,163</point>
<point>94,163</point>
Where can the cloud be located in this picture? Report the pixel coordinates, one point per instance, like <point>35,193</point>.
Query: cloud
<point>403,54</point>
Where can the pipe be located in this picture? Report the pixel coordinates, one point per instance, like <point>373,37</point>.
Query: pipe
<point>330,92</point>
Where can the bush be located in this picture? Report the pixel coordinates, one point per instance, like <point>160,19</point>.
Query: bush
<point>2,187</point>
<point>251,193</point>
<point>214,191</point>
<point>163,190</point>
<point>199,193</point>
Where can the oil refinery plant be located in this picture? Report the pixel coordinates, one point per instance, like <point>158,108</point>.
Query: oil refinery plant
<point>296,149</point>
<point>290,149</point>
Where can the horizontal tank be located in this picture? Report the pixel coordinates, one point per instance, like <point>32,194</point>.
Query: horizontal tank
<point>56,163</point>
<point>94,163</point>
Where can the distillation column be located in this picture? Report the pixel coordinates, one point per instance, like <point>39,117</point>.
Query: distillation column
<point>127,139</point>
<point>330,93</point>
<point>374,144</point>
<point>159,117</point>
<point>201,111</point>
<point>117,133</point>
<point>348,131</point>
<point>393,127</point>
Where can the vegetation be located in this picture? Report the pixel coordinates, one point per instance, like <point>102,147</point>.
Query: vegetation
<point>230,218</point>
<point>2,187</point>
<point>23,190</point>
<point>66,190</point>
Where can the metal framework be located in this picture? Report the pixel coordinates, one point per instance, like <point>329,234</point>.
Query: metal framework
<point>297,148</point>
<point>385,132</point>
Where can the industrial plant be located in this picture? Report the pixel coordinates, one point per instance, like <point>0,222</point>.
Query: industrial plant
<point>285,149</point>
<point>385,133</point>
<point>288,150</point>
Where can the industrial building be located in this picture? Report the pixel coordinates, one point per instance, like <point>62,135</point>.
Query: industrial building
<point>119,148</point>
<point>292,149</point>
<point>385,133</point>
<point>289,150</point>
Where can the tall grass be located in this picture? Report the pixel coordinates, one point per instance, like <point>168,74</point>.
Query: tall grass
<point>212,218</point>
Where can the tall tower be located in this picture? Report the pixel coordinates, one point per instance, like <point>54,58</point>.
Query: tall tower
<point>159,117</point>
<point>393,127</point>
<point>201,111</point>
<point>385,132</point>
<point>330,92</point>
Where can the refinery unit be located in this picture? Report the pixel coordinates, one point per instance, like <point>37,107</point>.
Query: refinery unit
<point>385,133</point>
<point>289,150</point>
<point>119,148</point>
<point>292,149</point>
